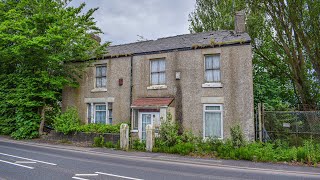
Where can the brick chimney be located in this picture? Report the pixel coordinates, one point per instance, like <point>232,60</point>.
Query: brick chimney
<point>240,22</point>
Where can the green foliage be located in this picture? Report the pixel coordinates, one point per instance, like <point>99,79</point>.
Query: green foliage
<point>238,148</point>
<point>138,145</point>
<point>99,128</point>
<point>68,121</point>
<point>39,40</point>
<point>237,136</point>
<point>286,65</point>
<point>169,132</point>
<point>98,141</point>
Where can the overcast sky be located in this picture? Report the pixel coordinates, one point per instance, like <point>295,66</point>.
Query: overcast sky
<point>122,20</point>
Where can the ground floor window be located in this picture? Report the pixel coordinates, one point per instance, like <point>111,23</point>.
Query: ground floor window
<point>213,120</point>
<point>100,113</point>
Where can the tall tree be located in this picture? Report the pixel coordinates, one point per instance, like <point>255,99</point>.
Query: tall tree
<point>39,39</point>
<point>279,54</point>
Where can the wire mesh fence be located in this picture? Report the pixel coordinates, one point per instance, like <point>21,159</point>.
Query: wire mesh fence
<point>291,126</point>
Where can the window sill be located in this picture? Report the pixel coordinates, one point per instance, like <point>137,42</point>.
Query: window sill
<point>155,87</point>
<point>134,131</point>
<point>99,90</point>
<point>212,85</point>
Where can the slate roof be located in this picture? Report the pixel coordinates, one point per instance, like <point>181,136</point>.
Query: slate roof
<point>151,102</point>
<point>180,42</point>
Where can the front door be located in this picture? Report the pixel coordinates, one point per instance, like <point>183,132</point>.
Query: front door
<point>146,118</point>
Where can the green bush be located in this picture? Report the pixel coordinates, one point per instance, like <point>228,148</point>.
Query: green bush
<point>237,136</point>
<point>99,128</point>
<point>139,145</point>
<point>98,141</point>
<point>67,122</point>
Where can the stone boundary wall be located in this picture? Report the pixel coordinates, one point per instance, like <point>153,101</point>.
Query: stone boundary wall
<point>82,137</point>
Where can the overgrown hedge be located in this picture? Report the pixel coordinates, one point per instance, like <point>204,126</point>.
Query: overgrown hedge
<point>235,148</point>
<point>69,122</point>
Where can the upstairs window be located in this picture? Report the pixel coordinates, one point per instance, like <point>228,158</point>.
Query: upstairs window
<point>158,72</point>
<point>101,76</point>
<point>212,68</point>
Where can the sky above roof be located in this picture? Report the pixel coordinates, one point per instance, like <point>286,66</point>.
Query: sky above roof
<point>123,21</point>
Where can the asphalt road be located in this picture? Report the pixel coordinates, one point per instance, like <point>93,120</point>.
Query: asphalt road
<point>22,161</point>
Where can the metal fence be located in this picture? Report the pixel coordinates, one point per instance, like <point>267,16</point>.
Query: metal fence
<point>291,126</point>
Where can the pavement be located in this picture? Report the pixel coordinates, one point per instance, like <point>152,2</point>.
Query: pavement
<point>24,160</point>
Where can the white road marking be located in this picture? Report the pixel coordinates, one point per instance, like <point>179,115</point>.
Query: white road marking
<point>25,162</point>
<point>114,175</point>
<point>16,164</point>
<point>28,159</point>
<point>86,174</point>
<point>79,178</point>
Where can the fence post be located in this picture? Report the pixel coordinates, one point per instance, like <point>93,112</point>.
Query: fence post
<point>124,137</point>
<point>260,121</point>
<point>149,137</point>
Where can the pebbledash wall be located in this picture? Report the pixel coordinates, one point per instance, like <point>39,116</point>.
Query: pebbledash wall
<point>189,92</point>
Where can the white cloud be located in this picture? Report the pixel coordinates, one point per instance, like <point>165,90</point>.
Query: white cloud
<point>123,20</point>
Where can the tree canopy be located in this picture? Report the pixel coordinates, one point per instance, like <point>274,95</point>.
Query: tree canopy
<point>39,40</point>
<point>285,41</point>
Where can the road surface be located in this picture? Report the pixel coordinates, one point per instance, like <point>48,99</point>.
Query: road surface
<point>25,160</point>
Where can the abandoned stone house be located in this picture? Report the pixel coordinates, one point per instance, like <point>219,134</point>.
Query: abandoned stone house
<point>204,80</point>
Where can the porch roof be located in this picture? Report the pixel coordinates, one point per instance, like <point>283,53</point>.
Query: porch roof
<point>151,102</point>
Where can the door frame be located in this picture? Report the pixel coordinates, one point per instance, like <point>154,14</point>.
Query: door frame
<point>140,121</point>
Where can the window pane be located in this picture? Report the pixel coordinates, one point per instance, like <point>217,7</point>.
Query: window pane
<point>101,117</point>
<point>209,62</point>
<point>213,124</point>
<point>135,119</point>
<point>154,78</point>
<point>100,107</point>
<point>216,75</point>
<point>154,66</point>
<point>162,78</point>
<point>209,76</point>
<point>103,82</point>
<point>212,107</point>
<point>98,71</point>
<point>98,82</point>
<point>103,71</point>
<point>162,65</point>
<point>216,62</point>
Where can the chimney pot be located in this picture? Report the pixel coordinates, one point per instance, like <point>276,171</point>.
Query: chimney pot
<point>240,22</point>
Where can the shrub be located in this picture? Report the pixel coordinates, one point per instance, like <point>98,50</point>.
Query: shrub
<point>169,132</point>
<point>137,145</point>
<point>237,136</point>
<point>99,128</point>
<point>67,122</point>
<point>109,144</point>
<point>98,141</point>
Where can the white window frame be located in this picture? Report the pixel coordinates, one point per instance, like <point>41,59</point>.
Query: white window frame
<point>99,89</point>
<point>165,64</point>
<point>93,112</point>
<point>204,118</point>
<point>213,84</point>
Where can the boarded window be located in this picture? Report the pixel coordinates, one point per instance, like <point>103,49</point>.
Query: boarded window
<point>212,68</point>
<point>158,71</point>
<point>101,76</point>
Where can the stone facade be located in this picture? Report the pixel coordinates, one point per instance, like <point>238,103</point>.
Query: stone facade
<point>185,83</point>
